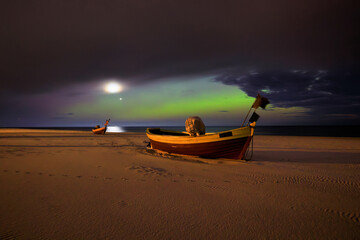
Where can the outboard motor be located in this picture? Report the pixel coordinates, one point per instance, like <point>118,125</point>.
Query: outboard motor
<point>195,126</point>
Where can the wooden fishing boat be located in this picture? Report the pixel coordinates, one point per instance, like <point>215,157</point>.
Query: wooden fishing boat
<point>231,144</point>
<point>101,130</point>
<point>228,144</point>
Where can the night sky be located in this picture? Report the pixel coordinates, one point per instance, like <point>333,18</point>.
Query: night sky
<point>176,59</point>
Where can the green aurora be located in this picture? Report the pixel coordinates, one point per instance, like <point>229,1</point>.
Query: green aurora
<point>171,102</point>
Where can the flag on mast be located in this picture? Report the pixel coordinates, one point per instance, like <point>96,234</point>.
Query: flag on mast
<point>260,101</point>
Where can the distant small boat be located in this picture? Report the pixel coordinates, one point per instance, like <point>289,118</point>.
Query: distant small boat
<point>228,144</point>
<point>99,130</point>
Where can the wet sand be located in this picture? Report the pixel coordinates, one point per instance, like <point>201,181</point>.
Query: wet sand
<point>75,185</point>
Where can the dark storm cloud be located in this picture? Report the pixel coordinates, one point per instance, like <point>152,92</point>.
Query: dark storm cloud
<point>47,44</point>
<point>332,94</point>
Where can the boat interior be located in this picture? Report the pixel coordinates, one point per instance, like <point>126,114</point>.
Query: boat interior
<point>159,131</point>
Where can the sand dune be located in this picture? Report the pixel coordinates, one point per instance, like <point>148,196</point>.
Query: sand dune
<point>75,185</point>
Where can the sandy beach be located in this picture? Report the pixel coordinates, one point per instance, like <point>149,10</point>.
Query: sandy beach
<point>75,185</point>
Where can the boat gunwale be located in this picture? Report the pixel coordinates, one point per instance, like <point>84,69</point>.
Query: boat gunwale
<point>189,136</point>
<point>246,131</point>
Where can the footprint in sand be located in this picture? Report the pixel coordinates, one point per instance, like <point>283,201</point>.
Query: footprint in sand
<point>50,175</point>
<point>122,204</point>
<point>79,176</point>
<point>150,171</point>
<point>9,235</point>
<point>353,217</point>
<point>27,172</point>
<point>17,171</point>
<point>5,170</point>
<point>94,177</point>
<point>107,178</point>
<point>64,175</point>
<point>40,173</point>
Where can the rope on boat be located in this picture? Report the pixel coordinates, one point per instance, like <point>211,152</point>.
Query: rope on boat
<point>252,150</point>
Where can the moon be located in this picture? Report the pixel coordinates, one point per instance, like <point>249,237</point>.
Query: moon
<point>113,87</point>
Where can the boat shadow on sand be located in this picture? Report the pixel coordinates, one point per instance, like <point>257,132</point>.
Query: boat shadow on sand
<point>187,158</point>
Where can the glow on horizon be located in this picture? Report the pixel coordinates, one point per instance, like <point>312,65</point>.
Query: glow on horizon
<point>115,129</point>
<point>113,87</point>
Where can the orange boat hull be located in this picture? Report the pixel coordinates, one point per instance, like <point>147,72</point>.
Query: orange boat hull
<point>233,149</point>
<point>99,130</point>
<point>228,144</point>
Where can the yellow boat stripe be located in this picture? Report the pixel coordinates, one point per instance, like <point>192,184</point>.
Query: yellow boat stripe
<point>209,137</point>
